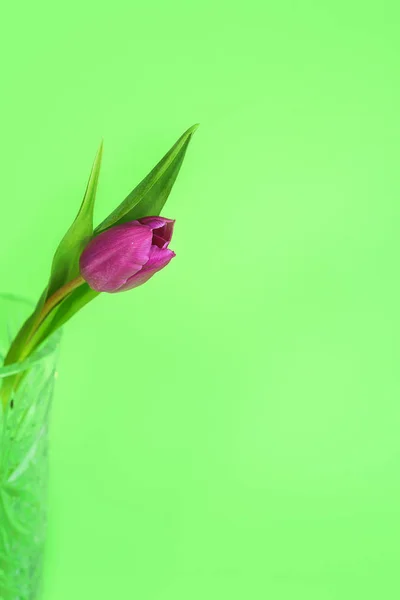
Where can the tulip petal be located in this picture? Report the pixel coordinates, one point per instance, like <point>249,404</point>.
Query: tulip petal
<point>162,230</point>
<point>112,257</point>
<point>158,259</point>
<point>154,222</point>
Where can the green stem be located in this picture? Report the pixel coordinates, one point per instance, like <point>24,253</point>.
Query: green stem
<point>50,303</point>
<point>11,383</point>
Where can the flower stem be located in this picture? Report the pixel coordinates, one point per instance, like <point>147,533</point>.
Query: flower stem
<point>50,303</point>
<point>11,383</point>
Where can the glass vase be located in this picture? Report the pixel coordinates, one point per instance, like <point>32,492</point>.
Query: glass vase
<point>24,458</point>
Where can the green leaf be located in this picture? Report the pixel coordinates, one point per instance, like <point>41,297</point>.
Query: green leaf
<point>66,259</point>
<point>65,265</point>
<point>149,197</point>
<point>20,340</point>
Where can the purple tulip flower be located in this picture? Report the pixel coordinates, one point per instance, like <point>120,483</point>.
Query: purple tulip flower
<point>127,255</point>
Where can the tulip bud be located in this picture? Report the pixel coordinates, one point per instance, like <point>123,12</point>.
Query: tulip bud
<point>127,255</point>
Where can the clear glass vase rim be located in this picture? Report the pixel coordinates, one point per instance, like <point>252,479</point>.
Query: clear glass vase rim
<point>45,350</point>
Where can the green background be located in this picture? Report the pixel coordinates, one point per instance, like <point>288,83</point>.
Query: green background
<point>231,429</point>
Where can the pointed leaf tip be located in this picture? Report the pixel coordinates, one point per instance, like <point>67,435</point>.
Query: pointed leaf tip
<point>66,259</point>
<point>193,128</point>
<point>150,195</point>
